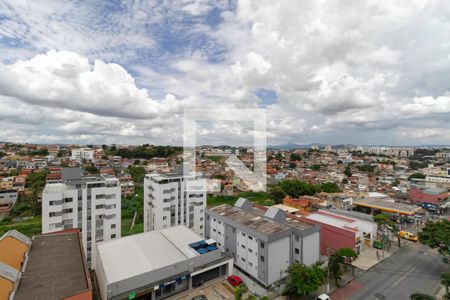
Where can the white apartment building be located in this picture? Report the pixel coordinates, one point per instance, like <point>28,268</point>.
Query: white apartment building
<point>83,153</point>
<point>263,243</point>
<point>90,203</point>
<point>174,199</point>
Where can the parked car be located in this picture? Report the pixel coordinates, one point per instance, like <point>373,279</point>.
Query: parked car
<point>200,297</point>
<point>445,259</point>
<point>323,297</point>
<point>234,280</point>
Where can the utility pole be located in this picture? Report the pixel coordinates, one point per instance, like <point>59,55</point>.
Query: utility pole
<point>328,267</point>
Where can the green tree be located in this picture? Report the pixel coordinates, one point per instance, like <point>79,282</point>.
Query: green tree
<point>303,280</point>
<point>329,187</point>
<point>417,175</point>
<point>315,167</point>
<point>384,221</point>
<point>339,259</point>
<point>348,171</point>
<point>445,280</point>
<point>295,157</point>
<point>137,173</point>
<point>437,236</point>
<point>295,188</point>
<point>277,194</point>
<point>239,291</point>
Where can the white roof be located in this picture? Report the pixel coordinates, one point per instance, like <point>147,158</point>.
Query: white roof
<point>145,252</point>
<point>286,208</point>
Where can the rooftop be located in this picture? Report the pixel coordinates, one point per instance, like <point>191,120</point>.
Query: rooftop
<point>55,268</point>
<point>250,219</point>
<point>141,253</point>
<point>387,205</point>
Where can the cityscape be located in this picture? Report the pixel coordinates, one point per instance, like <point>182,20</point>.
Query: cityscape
<point>224,149</point>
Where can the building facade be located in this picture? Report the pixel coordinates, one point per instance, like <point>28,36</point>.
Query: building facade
<point>82,153</point>
<point>90,203</point>
<point>262,243</point>
<point>174,199</point>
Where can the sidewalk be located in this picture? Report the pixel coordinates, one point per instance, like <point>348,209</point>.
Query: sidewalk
<point>371,256</point>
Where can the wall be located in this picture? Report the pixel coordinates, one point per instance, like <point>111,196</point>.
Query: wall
<point>278,259</point>
<point>333,237</point>
<point>310,249</point>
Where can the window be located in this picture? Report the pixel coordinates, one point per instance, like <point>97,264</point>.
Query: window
<point>261,245</point>
<point>80,198</point>
<point>250,238</point>
<point>68,200</point>
<point>243,259</point>
<point>250,250</point>
<point>243,246</point>
<point>164,218</point>
<point>201,226</point>
<point>214,230</point>
<point>113,236</point>
<point>67,210</point>
<point>250,264</point>
<point>113,226</point>
<point>297,238</point>
<point>99,206</point>
<point>297,251</point>
<point>261,258</point>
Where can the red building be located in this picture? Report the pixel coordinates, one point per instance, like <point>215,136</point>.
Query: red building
<point>421,195</point>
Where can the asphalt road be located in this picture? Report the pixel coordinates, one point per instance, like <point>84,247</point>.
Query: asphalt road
<point>414,268</point>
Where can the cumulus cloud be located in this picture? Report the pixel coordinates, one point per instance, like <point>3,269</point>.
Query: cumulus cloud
<point>368,73</point>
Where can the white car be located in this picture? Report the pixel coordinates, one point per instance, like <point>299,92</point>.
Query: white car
<point>323,297</point>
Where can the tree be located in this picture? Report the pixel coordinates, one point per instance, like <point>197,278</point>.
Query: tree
<point>385,221</point>
<point>277,194</point>
<point>303,280</point>
<point>417,175</point>
<point>239,291</point>
<point>137,173</point>
<point>396,182</point>
<point>295,188</point>
<point>344,181</point>
<point>437,236</point>
<point>295,157</point>
<point>348,171</point>
<point>445,280</point>
<point>341,257</point>
<point>329,187</point>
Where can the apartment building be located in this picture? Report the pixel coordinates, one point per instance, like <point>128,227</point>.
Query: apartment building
<point>90,203</point>
<point>174,199</point>
<point>263,242</point>
<point>82,153</point>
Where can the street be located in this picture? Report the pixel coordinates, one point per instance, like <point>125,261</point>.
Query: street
<point>415,268</point>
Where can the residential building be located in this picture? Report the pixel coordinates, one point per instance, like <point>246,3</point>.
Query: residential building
<point>13,248</point>
<point>90,203</point>
<point>82,153</point>
<point>157,264</point>
<point>174,199</point>
<point>263,242</point>
<point>7,199</point>
<point>126,184</point>
<point>55,268</point>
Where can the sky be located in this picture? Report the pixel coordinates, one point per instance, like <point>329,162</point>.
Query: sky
<point>333,72</point>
